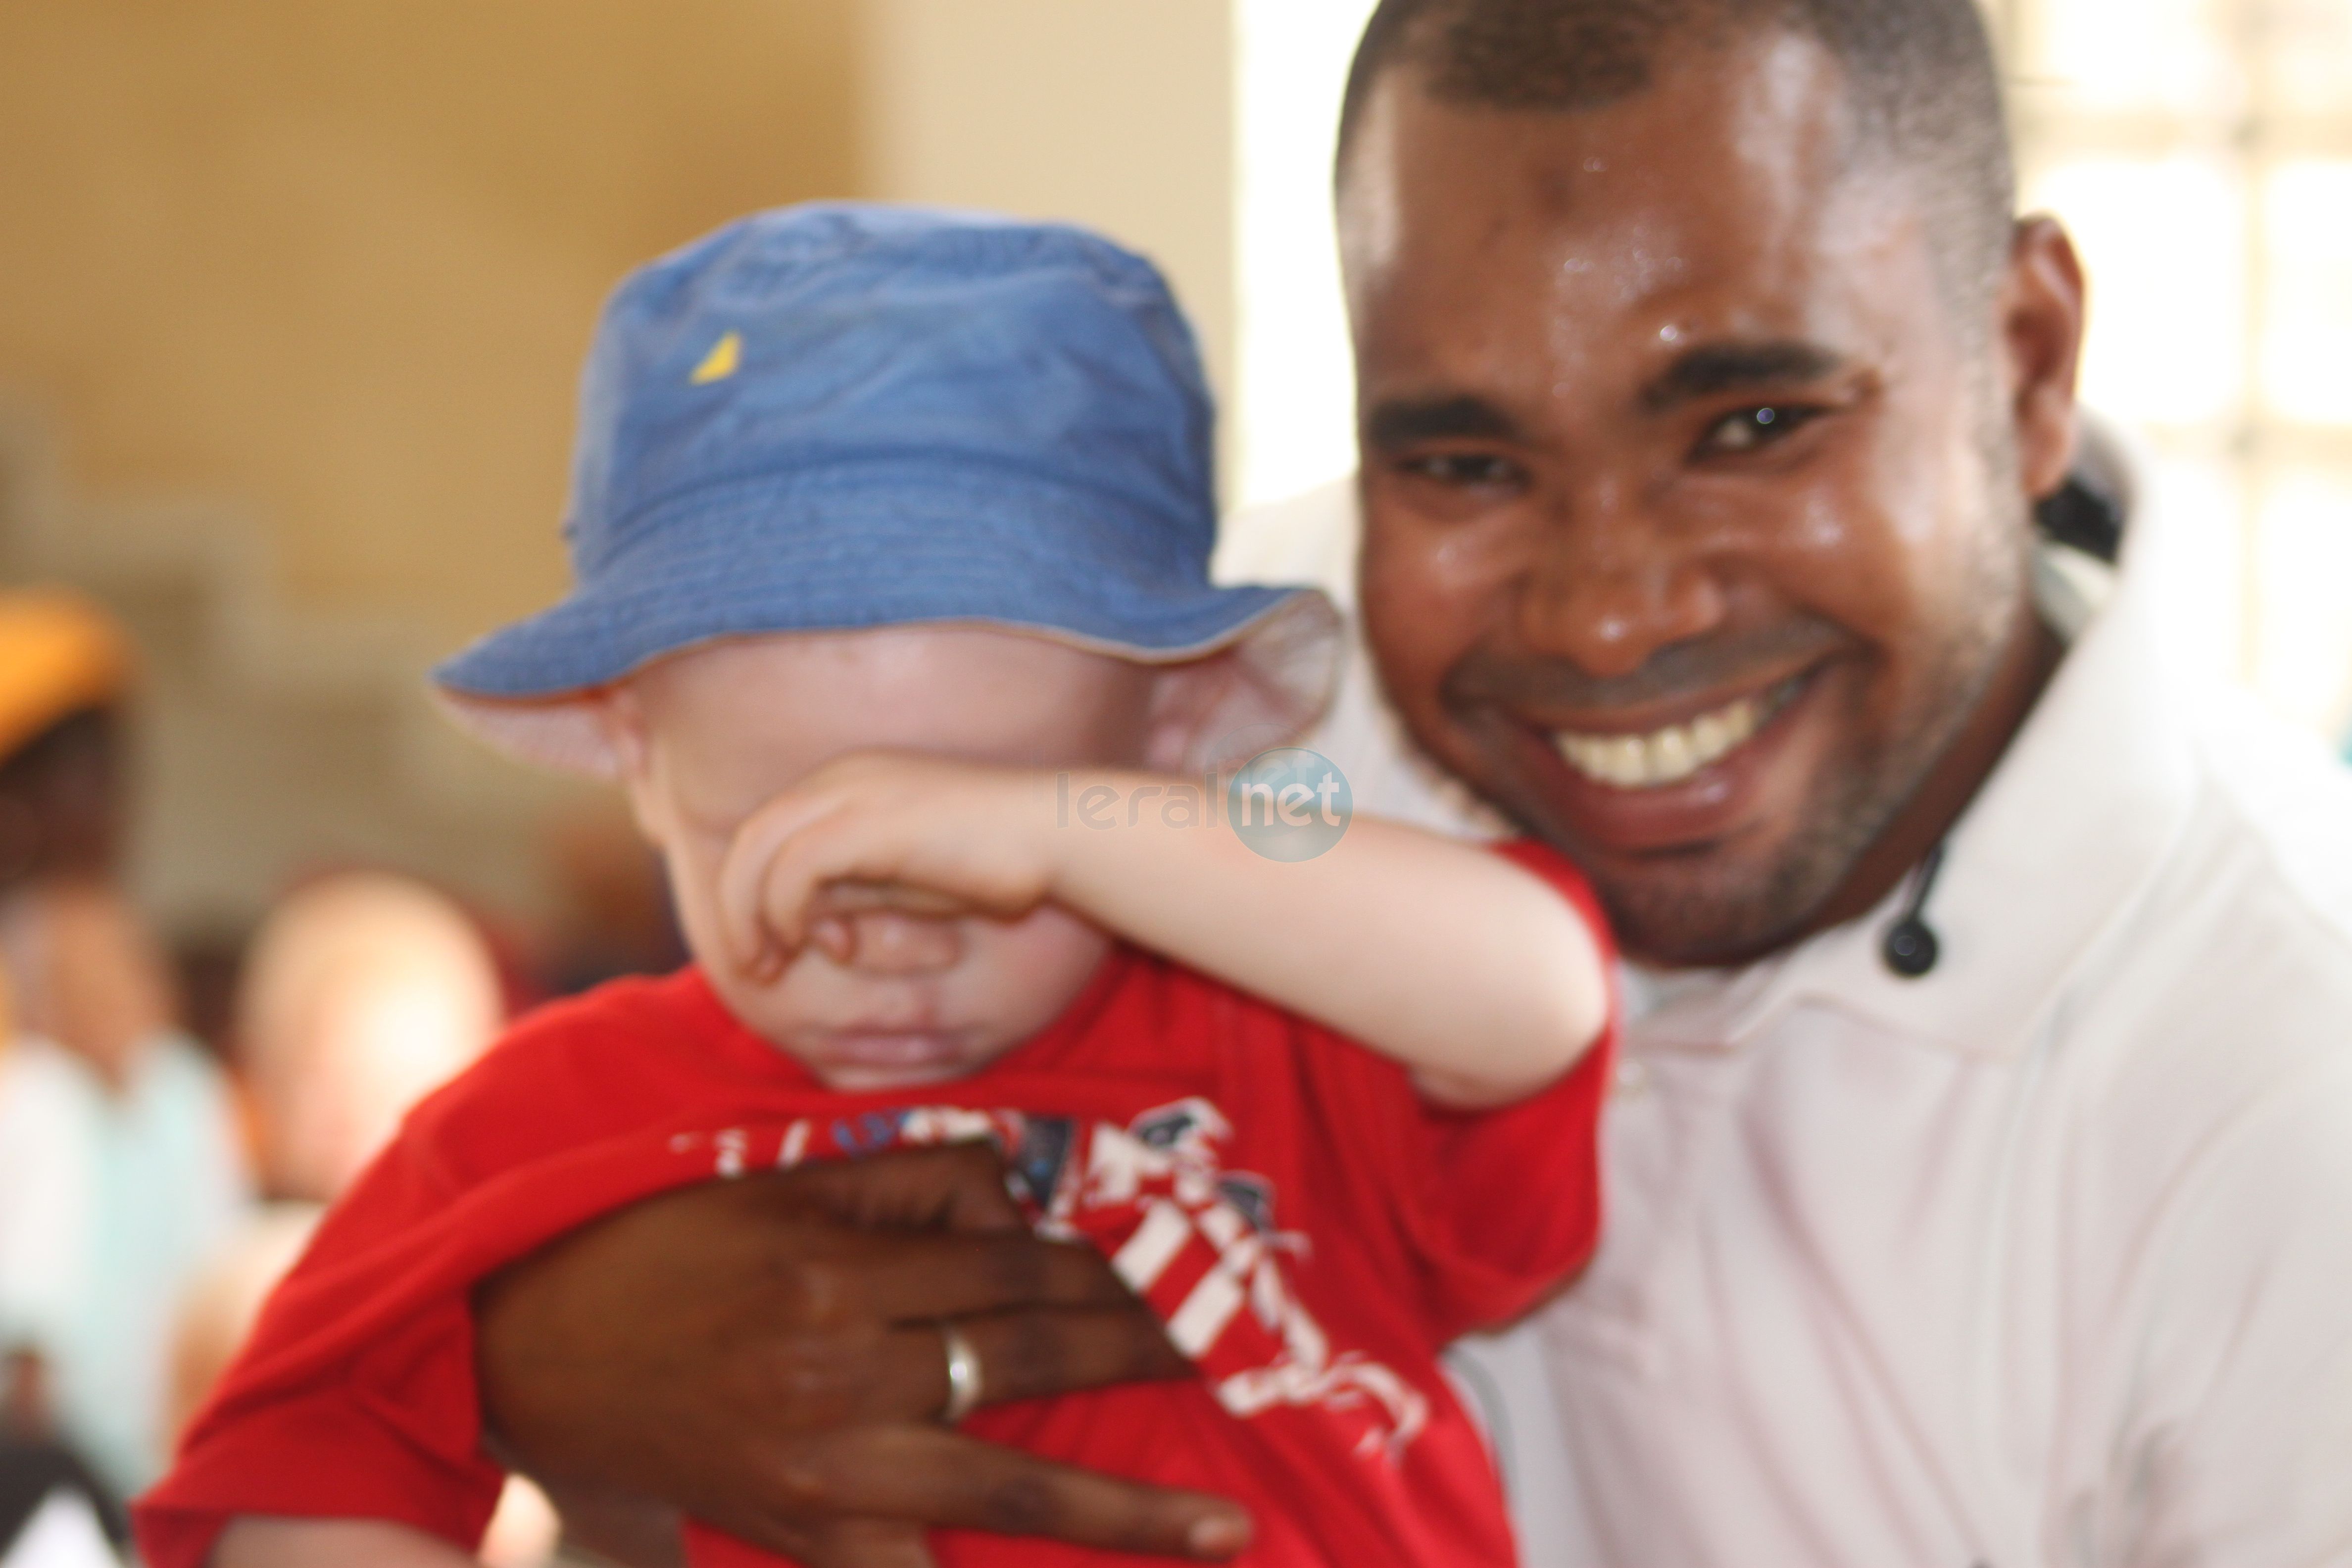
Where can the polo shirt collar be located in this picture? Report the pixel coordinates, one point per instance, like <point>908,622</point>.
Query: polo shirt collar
<point>2055,850</point>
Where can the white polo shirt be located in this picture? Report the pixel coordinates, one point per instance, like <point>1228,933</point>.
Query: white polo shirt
<point>2043,1258</point>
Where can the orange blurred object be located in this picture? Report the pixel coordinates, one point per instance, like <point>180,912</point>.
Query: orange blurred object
<point>58,655</point>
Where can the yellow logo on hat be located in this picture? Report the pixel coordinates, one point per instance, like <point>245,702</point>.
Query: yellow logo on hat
<point>721,362</point>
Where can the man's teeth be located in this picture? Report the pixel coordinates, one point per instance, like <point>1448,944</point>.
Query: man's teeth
<point>1669,755</point>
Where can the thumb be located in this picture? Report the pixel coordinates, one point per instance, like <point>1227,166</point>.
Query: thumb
<point>743,871</point>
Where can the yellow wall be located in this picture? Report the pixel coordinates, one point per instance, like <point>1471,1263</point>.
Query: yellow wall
<point>1116,113</point>
<point>318,274</point>
<point>333,262</point>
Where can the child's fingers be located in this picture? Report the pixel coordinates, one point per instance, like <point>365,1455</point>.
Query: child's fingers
<point>829,853</point>
<point>835,936</point>
<point>744,871</point>
<point>787,895</point>
<point>853,896</point>
<point>835,910</point>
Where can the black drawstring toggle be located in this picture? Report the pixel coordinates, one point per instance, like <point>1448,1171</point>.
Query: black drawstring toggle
<point>1910,948</point>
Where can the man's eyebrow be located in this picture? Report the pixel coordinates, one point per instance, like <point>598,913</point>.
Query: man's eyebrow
<point>1727,367</point>
<point>1406,421</point>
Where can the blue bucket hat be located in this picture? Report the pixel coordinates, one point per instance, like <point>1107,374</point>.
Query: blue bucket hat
<point>843,415</point>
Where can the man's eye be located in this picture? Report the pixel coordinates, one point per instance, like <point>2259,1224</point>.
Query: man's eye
<point>1753,427</point>
<point>1465,470</point>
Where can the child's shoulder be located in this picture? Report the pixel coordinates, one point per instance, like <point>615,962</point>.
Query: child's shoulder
<point>628,1053</point>
<point>1165,1014</point>
<point>616,1012</point>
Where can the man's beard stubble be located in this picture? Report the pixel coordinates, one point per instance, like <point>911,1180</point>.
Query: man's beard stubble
<point>1701,907</point>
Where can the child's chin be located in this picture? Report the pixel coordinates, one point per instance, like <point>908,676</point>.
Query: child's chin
<point>872,1063</point>
<point>883,1080</point>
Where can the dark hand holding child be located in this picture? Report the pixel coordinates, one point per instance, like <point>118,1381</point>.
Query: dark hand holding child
<point>764,1354</point>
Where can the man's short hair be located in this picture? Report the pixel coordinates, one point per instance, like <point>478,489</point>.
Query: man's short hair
<point>1920,75</point>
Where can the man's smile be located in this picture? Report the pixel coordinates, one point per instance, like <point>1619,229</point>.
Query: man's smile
<point>1676,774</point>
<point>1664,754</point>
<point>1687,750</point>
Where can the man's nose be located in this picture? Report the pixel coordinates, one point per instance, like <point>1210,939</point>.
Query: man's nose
<point>1613,583</point>
<point>890,943</point>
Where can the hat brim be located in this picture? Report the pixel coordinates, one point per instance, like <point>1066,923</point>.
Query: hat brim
<point>1287,642</point>
<point>857,547</point>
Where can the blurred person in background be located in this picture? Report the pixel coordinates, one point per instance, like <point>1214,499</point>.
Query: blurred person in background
<point>119,1167</point>
<point>55,1510</point>
<point>363,990</point>
<point>361,993</point>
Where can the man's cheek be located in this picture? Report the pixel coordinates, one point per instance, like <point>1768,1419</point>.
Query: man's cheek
<point>1418,631</point>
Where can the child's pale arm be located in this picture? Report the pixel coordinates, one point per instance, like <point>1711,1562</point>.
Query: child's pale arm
<point>1463,966</point>
<point>1440,952</point>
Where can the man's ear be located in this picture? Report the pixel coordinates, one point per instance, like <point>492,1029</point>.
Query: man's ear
<point>2042,318</point>
<point>621,714</point>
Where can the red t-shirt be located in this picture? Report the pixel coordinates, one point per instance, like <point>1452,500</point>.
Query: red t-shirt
<point>1312,1232</point>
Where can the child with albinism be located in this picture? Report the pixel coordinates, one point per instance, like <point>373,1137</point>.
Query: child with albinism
<point>890,533</point>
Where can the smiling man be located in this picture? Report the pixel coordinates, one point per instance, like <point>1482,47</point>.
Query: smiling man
<point>1708,393</point>
<point>1982,1170</point>
<point>1700,423</point>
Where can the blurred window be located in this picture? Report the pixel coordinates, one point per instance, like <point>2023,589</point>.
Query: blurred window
<point>2200,151</point>
<point>1294,393</point>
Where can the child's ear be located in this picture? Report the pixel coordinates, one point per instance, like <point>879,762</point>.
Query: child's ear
<point>621,714</point>
<point>1185,699</point>
<point>1214,711</point>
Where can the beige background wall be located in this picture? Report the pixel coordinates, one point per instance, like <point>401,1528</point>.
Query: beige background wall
<point>293,294</point>
<point>336,261</point>
<point>1117,113</point>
